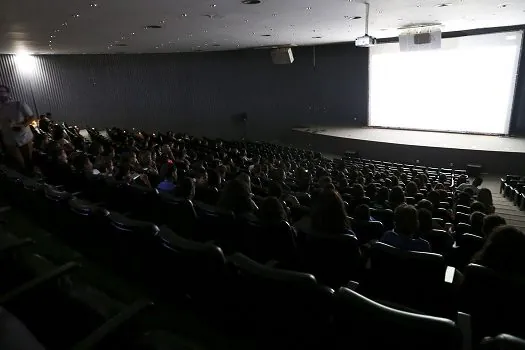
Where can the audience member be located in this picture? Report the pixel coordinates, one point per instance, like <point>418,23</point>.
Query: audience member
<point>490,223</point>
<point>329,214</point>
<point>476,223</point>
<point>406,229</point>
<point>272,211</point>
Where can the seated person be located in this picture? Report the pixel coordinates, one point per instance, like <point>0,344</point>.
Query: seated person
<point>362,213</point>
<point>236,197</point>
<point>168,174</point>
<point>478,206</point>
<point>476,223</point>
<point>503,251</point>
<point>186,188</point>
<point>425,222</point>
<point>406,228</point>
<point>473,187</point>
<point>381,201</point>
<point>485,197</point>
<point>396,198</point>
<point>272,211</point>
<point>490,223</point>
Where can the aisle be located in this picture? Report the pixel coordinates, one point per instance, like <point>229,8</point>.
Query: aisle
<point>504,207</point>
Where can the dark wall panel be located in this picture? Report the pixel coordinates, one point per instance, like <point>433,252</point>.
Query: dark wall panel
<point>200,92</point>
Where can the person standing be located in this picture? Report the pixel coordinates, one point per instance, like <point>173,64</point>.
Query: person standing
<point>15,119</point>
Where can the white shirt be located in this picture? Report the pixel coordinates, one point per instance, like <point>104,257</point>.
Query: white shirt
<point>13,113</point>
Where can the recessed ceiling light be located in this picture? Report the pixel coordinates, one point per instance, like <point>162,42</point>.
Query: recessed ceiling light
<point>76,15</point>
<point>316,37</point>
<point>213,5</point>
<point>153,26</point>
<point>93,4</point>
<point>274,15</point>
<point>184,15</point>
<point>266,35</point>
<point>308,8</point>
<point>121,44</point>
<point>443,5</point>
<point>216,45</point>
<point>353,17</point>
<point>503,6</point>
<point>251,2</point>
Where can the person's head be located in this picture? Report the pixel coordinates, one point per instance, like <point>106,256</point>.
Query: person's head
<point>464,198</point>
<point>221,170</point>
<point>397,196</point>
<point>371,190</point>
<point>425,220</point>
<point>275,189</point>
<point>411,189</point>
<point>106,167</point>
<point>96,149</point>
<point>425,204</point>
<point>168,172</point>
<point>4,93</point>
<point>186,188</point>
<point>477,181</point>
<point>362,213</point>
<point>439,186</point>
<point>58,134</point>
<point>123,172</point>
<point>462,179</point>
<point>476,223</point>
<point>109,152</point>
<point>272,210</point>
<point>406,220</point>
<point>433,197</point>
<point>129,157</point>
<point>58,155</point>
<point>329,213</point>
<point>383,194</point>
<point>236,197</point>
<point>244,177</point>
<point>357,191</point>
<point>490,223</point>
<point>485,197</point>
<point>278,175</point>
<point>478,206</point>
<point>503,251</point>
<point>82,163</point>
<point>324,181</point>
<point>145,159</point>
<point>214,179</point>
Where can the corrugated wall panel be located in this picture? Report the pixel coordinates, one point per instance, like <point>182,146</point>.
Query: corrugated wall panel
<point>199,93</point>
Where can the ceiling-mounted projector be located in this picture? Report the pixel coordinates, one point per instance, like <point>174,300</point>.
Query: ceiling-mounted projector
<point>365,41</point>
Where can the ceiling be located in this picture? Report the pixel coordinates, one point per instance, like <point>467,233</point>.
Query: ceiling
<point>111,26</point>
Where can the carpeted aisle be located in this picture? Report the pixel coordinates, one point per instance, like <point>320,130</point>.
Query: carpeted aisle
<point>505,207</point>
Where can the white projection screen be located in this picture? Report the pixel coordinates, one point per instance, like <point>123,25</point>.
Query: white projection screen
<point>466,86</point>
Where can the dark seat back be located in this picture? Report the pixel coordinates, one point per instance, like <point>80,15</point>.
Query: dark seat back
<point>494,301</point>
<point>440,241</point>
<point>364,324</point>
<point>367,231</point>
<point>386,216</point>
<point>332,259</point>
<point>415,279</point>
<point>503,342</point>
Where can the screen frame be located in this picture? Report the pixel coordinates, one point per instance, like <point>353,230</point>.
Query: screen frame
<point>475,32</point>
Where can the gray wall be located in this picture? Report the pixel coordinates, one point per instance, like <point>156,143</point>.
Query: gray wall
<point>199,92</point>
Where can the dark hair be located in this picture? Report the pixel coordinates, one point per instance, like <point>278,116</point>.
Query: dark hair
<point>476,223</point>
<point>275,189</point>
<point>433,196</point>
<point>490,222</point>
<point>272,210</point>
<point>425,219</point>
<point>477,181</point>
<point>371,191</point>
<point>411,189</point>
<point>382,194</point>
<point>406,220</point>
<point>503,251</point>
<point>80,161</point>
<point>425,204</point>
<point>186,188</point>
<point>329,214</point>
<point>357,191</point>
<point>362,212</point>
<point>397,196</point>
<point>58,134</point>
<point>236,197</point>
<point>478,206</point>
<point>213,178</point>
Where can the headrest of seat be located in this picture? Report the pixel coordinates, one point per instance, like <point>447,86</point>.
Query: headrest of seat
<point>82,207</point>
<point>354,304</point>
<point>469,238</point>
<point>383,248</point>
<point>254,269</point>
<point>503,342</point>
<point>127,224</point>
<point>55,194</point>
<point>172,240</point>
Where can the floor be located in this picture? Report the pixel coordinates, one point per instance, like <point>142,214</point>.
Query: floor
<point>425,138</point>
<point>504,207</point>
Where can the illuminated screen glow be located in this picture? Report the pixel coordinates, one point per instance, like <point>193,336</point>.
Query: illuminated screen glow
<point>466,86</point>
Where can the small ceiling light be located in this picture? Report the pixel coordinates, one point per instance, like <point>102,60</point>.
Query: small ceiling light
<point>316,37</point>
<point>184,15</point>
<point>502,6</point>
<point>443,5</point>
<point>308,8</point>
<point>153,26</point>
<point>274,15</point>
<point>213,5</point>
<point>93,4</point>
<point>64,24</point>
<point>132,33</point>
<point>266,35</point>
<point>251,2</point>
<point>245,21</point>
<point>76,15</point>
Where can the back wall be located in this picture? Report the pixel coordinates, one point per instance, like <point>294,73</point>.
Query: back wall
<point>199,92</point>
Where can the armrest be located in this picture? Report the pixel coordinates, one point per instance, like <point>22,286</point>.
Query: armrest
<point>272,263</point>
<point>76,193</point>
<point>353,285</point>
<point>15,244</point>
<point>38,281</point>
<point>464,325</point>
<point>112,325</point>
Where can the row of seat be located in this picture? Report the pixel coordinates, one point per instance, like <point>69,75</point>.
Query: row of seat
<point>173,266</point>
<point>513,188</point>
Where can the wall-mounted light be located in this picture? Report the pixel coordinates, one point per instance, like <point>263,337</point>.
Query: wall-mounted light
<point>25,62</point>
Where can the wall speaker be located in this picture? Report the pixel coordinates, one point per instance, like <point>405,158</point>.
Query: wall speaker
<point>282,56</point>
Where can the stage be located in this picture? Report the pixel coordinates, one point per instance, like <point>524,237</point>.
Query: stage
<point>497,154</point>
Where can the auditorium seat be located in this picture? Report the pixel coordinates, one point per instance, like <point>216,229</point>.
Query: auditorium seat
<point>440,241</point>
<point>361,323</point>
<point>503,342</point>
<point>367,231</point>
<point>462,228</point>
<point>216,225</point>
<point>332,259</point>
<point>494,301</point>
<point>462,217</point>
<point>386,216</point>
<point>279,305</point>
<point>462,209</point>
<point>414,279</point>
